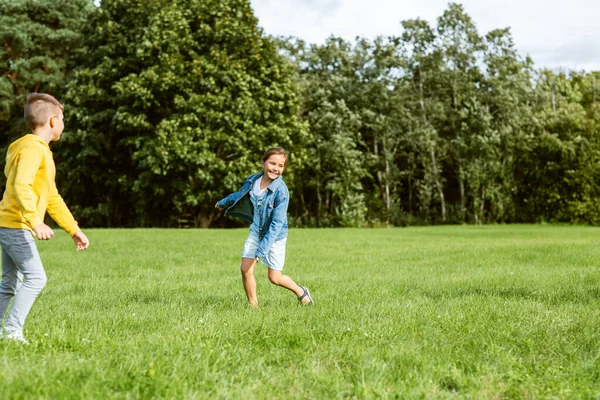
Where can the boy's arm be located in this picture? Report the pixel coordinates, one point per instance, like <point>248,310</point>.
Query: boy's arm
<point>59,212</point>
<point>30,159</point>
<point>279,214</point>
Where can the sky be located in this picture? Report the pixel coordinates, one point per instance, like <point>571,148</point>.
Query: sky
<point>561,35</point>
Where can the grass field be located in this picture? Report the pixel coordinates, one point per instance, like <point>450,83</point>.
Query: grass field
<point>441,312</point>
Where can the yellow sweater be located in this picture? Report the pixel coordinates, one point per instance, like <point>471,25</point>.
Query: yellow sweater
<point>30,188</point>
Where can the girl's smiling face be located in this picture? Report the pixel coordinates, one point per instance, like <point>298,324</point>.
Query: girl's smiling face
<point>274,166</point>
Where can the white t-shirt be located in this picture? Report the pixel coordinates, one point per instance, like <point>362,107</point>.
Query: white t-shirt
<point>256,197</point>
<point>258,192</point>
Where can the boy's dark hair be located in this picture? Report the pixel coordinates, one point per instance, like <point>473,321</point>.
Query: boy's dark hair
<point>40,107</point>
<point>275,150</point>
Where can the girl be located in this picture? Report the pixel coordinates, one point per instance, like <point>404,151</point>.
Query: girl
<point>263,200</point>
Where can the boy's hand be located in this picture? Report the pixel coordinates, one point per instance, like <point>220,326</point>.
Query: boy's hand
<point>81,241</point>
<point>217,206</point>
<point>43,232</point>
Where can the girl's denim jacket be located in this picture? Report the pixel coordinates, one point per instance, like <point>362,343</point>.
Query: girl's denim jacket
<point>273,214</point>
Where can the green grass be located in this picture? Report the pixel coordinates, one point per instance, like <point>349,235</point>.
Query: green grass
<point>443,312</point>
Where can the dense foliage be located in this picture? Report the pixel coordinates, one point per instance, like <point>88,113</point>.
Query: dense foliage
<point>39,42</point>
<point>171,103</point>
<point>169,109</point>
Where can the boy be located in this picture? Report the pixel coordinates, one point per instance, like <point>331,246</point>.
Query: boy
<point>30,191</point>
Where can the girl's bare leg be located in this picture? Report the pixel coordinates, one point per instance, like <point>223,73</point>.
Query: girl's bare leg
<point>277,278</point>
<point>248,280</point>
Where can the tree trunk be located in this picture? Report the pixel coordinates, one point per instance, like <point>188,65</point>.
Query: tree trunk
<point>482,205</point>
<point>461,181</point>
<point>305,212</point>
<point>380,178</point>
<point>319,200</point>
<point>461,186</point>
<point>410,194</point>
<point>204,220</point>
<point>386,193</point>
<point>438,185</point>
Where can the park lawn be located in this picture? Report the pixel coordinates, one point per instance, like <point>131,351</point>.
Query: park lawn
<point>431,312</point>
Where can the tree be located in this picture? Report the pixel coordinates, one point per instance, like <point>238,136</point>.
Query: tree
<point>507,96</point>
<point>423,63</point>
<point>460,45</point>
<point>38,42</point>
<point>560,158</point>
<point>175,104</point>
<point>331,191</point>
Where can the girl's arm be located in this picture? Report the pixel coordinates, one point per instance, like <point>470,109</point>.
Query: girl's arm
<point>232,198</point>
<point>227,201</point>
<point>279,215</point>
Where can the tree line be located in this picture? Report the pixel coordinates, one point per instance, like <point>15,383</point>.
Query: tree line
<point>170,104</point>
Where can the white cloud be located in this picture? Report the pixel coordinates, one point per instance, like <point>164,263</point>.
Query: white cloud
<point>556,34</point>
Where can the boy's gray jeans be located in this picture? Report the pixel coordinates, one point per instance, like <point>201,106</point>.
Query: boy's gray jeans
<point>20,258</point>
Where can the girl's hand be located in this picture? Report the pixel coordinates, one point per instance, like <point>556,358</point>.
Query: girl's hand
<point>217,206</point>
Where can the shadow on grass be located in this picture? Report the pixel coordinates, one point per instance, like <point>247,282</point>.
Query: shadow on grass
<point>589,295</point>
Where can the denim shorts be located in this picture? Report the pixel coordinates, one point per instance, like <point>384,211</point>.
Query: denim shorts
<point>275,257</point>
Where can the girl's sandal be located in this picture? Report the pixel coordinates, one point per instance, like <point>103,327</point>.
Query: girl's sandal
<point>306,294</point>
